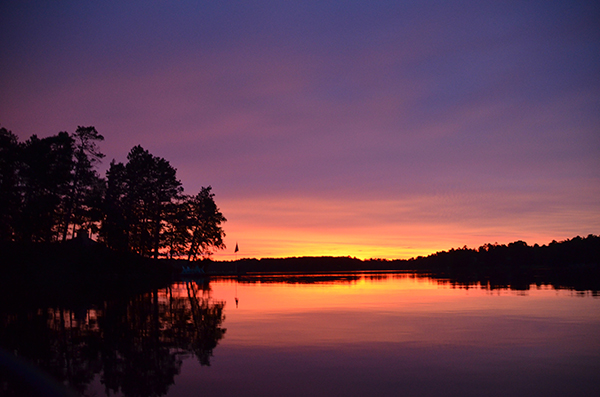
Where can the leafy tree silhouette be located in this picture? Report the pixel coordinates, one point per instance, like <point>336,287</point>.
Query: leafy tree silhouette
<point>194,226</point>
<point>49,184</point>
<point>45,177</point>
<point>50,187</point>
<point>177,228</point>
<point>147,212</point>
<point>205,221</point>
<point>115,227</point>
<point>138,197</point>
<point>85,185</point>
<point>9,182</point>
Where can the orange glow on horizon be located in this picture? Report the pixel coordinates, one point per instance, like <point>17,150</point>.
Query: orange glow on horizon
<point>401,229</point>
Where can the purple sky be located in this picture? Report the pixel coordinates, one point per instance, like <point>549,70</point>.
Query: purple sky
<point>370,129</point>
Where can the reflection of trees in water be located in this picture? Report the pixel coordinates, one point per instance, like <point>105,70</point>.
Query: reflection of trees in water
<point>195,325</point>
<point>308,278</point>
<point>583,279</point>
<point>136,345</point>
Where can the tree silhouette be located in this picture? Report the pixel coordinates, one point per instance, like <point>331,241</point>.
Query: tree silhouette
<point>50,188</point>
<point>9,183</point>
<point>205,224</point>
<point>139,195</point>
<point>45,177</point>
<point>86,186</point>
<point>115,226</point>
<point>177,227</point>
<point>146,212</point>
<point>193,226</point>
<point>48,185</point>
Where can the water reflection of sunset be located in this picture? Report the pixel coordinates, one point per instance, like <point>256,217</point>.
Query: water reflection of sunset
<point>393,309</point>
<point>319,334</point>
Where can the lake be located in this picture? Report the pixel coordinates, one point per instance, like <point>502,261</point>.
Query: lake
<point>351,334</point>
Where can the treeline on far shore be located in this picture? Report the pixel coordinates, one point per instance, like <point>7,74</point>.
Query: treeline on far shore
<point>572,263</point>
<point>90,269</point>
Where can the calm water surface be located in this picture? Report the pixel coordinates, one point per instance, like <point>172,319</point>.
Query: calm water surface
<point>356,334</point>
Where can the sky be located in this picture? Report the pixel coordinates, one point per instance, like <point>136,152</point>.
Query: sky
<point>380,129</point>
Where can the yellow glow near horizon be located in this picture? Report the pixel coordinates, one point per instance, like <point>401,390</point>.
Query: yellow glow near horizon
<point>386,229</point>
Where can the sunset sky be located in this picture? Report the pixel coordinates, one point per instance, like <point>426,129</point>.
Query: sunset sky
<point>385,129</point>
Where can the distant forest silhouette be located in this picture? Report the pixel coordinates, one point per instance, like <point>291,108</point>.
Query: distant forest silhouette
<point>50,191</point>
<point>572,263</point>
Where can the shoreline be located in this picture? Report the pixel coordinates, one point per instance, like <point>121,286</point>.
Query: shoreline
<point>91,271</point>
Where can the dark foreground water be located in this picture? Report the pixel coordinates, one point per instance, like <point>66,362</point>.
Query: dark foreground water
<point>353,334</point>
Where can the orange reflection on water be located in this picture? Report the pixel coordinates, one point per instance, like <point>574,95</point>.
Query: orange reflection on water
<point>399,308</point>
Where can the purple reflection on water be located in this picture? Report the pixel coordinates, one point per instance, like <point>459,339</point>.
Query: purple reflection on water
<point>391,369</point>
